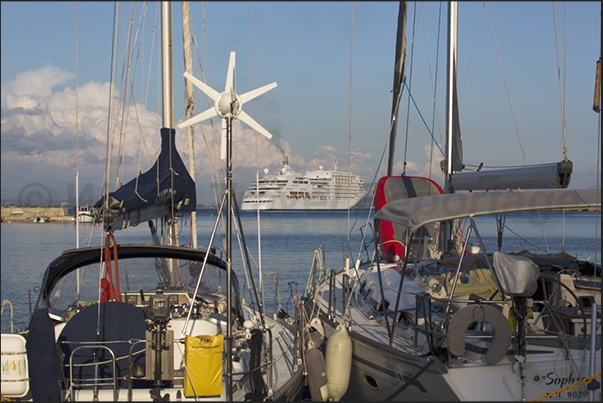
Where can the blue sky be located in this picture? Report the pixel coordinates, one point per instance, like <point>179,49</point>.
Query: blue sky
<point>306,47</point>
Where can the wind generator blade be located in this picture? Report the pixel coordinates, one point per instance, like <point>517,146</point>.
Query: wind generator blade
<point>254,125</point>
<point>207,90</point>
<point>223,140</point>
<point>248,96</point>
<point>210,113</point>
<point>229,87</point>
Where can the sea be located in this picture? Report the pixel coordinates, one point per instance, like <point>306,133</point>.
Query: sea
<point>288,241</point>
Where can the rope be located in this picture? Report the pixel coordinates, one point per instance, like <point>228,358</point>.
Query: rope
<point>106,178</point>
<point>350,118</point>
<point>506,86</point>
<point>111,292</point>
<point>513,113</point>
<point>434,85</point>
<point>561,92</point>
<point>7,302</point>
<point>77,149</point>
<point>412,47</point>
<point>122,132</point>
<point>422,119</point>
<point>472,53</point>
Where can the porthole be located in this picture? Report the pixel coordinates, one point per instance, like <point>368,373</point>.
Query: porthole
<point>371,382</point>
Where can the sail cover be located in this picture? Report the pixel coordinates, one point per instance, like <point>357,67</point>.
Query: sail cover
<point>411,214</point>
<point>165,188</point>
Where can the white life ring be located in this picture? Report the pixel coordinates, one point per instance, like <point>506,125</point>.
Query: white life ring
<point>472,313</point>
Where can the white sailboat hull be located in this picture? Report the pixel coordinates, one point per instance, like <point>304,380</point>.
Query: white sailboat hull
<point>382,372</point>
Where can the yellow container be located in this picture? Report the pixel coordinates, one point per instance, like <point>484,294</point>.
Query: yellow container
<point>203,365</point>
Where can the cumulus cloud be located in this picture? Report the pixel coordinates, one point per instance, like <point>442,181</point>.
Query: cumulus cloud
<point>39,83</point>
<point>39,139</point>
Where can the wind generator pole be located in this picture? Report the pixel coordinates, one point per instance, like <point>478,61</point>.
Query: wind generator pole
<point>228,106</point>
<point>229,256</point>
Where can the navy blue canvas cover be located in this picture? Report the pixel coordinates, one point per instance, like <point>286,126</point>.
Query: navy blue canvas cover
<point>165,186</point>
<point>43,358</point>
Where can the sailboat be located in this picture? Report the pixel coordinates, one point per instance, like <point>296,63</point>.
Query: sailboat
<point>155,322</point>
<point>432,314</point>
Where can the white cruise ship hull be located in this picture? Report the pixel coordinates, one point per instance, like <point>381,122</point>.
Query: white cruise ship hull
<point>314,190</point>
<point>282,202</point>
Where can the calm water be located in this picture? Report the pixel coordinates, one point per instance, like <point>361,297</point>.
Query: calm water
<point>288,244</point>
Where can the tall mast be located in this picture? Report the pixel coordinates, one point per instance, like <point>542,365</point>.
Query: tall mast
<point>450,91</point>
<point>190,107</point>
<point>166,63</point>
<point>168,121</point>
<point>398,79</point>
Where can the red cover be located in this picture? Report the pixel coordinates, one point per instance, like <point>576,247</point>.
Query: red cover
<point>390,188</point>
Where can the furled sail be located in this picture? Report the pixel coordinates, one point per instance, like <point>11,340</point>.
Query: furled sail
<point>457,139</point>
<point>454,142</point>
<point>164,189</point>
<point>399,71</point>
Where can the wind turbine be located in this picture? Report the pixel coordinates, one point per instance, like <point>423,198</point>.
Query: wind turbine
<point>227,105</point>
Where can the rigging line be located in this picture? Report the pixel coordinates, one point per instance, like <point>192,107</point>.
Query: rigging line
<point>121,134</point>
<point>561,92</point>
<point>434,84</point>
<point>472,53</point>
<point>598,212</point>
<point>506,166</point>
<point>506,86</point>
<point>350,118</point>
<point>77,160</point>
<point>257,168</point>
<point>146,98</point>
<point>513,113</point>
<point>215,161</point>
<point>106,178</point>
<point>205,76</point>
<point>423,119</point>
<point>412,47</point>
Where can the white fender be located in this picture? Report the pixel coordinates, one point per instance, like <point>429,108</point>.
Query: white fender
<point>316,332</point>
<point>317,375</point>
<point>339,362</point>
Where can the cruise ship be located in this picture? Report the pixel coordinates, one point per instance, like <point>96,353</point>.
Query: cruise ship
<point>314,190</point>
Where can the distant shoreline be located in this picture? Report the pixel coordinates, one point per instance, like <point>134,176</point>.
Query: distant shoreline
<point>15,214</point>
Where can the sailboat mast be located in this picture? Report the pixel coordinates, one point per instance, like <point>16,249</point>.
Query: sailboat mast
<point>168,120</point>
<point>398,79</point>
<point>190,107</point>
<point>450,91</point>
<point>166,63</point>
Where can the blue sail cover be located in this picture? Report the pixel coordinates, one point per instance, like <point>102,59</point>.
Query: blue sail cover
<point>165,187</point>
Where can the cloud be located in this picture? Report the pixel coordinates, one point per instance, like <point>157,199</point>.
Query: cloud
<point>39,82</point>
<point>38,118</point>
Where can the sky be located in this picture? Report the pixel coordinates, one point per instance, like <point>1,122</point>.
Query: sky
<point>520,64</point>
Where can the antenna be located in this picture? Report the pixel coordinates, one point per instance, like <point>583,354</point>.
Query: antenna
<point>227,104</point>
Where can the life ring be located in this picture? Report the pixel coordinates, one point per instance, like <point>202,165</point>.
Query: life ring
<point>501,342</point>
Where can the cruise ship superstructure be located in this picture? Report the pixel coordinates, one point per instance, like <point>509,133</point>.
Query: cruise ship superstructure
<point>314,190</point>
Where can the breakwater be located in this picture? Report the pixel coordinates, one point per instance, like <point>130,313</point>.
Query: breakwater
<point>37,214</point>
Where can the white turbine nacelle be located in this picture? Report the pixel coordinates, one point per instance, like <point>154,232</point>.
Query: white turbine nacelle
<point>226,108</point>
<point>227,104</point>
